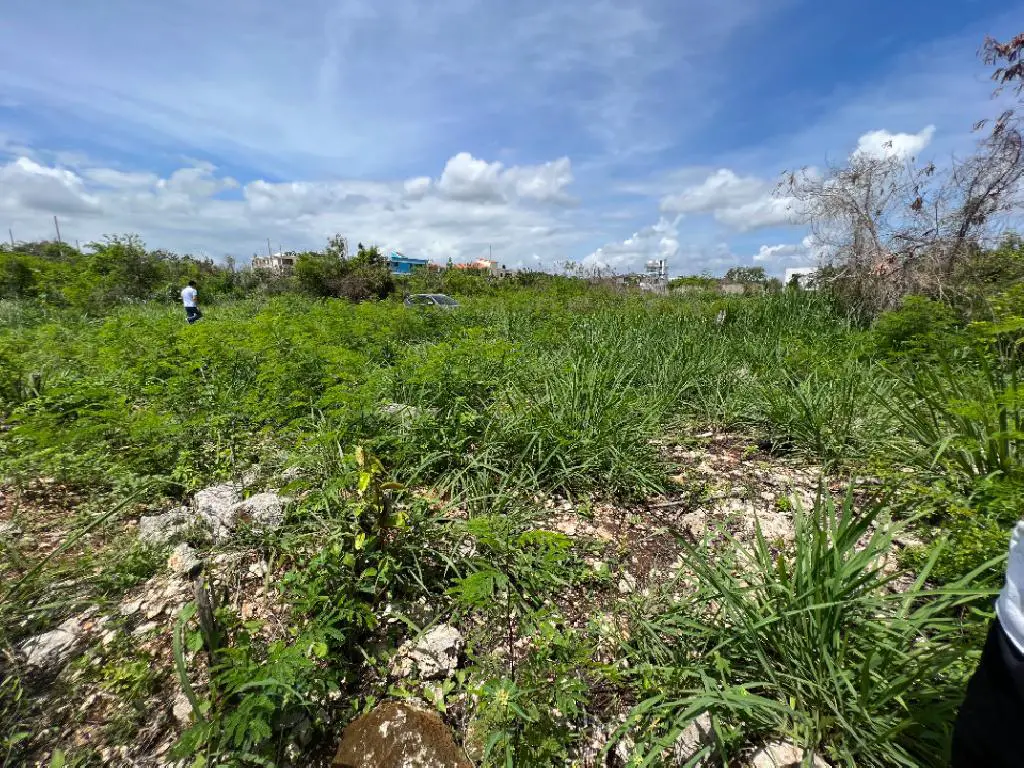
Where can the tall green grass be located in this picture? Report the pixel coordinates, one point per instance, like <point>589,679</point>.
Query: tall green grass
<point>966,415</point>
<point>810,645</point>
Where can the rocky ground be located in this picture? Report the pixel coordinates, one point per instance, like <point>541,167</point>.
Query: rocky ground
<point>725,484</point>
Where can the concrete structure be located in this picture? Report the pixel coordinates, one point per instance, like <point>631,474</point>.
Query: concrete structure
<point>401,264</point>
<point>804,277</point>
<point>278,263</point>
<point>655,277</point>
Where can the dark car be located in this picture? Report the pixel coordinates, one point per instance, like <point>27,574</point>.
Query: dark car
<point>431,300</point>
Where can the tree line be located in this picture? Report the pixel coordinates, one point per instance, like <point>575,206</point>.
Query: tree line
<point>120,269</point>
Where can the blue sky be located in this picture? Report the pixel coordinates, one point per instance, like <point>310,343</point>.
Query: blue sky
<point>607,131</point>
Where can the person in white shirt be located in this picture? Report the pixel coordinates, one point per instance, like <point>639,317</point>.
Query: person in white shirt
<point>986,730</point>
<point>190,298</point>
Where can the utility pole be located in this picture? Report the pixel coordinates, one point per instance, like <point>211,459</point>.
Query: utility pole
<point>270,255</point>
<point>60,244</point>
<point>11,233</point>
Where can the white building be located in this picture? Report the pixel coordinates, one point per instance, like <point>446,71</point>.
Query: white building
<point>278,263</point>
<point>655,277</point>
<point>804,277</point>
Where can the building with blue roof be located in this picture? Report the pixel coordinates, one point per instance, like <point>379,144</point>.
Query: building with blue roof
<point>404,265</point>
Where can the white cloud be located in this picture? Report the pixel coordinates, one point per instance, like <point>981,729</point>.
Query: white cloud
<point>197,181</point>
<point>742,203</point>
<point>470,179</point>
<point>659,241</point>
<point>767,211</point>
<point>189,211</point>
<point>885,144</point>
<point>773,253</point>
<point>30,186</point>
<point>723,189</point>
<point>467,178</point>
<point>776,258</point>
<point>663,241</point>
<point>110,177</point>
<point>418,187</point>
<point>544,183</point>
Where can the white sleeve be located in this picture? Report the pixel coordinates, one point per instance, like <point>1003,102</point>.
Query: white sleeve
<point>1010,604</point>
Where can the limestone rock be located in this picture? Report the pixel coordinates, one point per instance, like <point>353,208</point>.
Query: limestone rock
<point>53,649</point>
<point>183,560</point>
<point>433,656</point>
<point>181,708</point>
<point>695,737</point>
<point>222,508</point>
<point>782,754</point>
<point>216,506</point>
<point>397,735</point>
<point>627,584</point>
<point>264,510</point>
<point>160,529</point>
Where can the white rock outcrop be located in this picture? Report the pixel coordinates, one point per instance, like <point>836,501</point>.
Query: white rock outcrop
<point>160,529</point>
<point>183,560</point>
<point>782,754</point>
<point>55,648</point>
<point>219,508</point>
<point>435,655</point>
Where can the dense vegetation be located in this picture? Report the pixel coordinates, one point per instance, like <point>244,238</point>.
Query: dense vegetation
<point>538,387</point>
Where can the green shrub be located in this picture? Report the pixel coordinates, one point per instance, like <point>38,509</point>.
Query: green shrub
<point>920,327</point>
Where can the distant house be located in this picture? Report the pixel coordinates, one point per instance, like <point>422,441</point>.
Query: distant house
<point>278,263</point>
<point>804,277</point>
<point>492,268</point>
<point>404,265</point>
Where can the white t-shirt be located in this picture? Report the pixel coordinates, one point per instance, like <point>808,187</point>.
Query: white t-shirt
<point>1010,605</point>
<point>188,296</point>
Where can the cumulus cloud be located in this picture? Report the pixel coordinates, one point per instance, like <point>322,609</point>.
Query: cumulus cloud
<point>467,178</point>
<point>742,203</point>
<point>544,183</point>
<point>418,187</point>
<point>115,179</point>
<point>723,189</point>
<point>199,209</point>
<point>767,211</point>
<point>885,144</point>
<point>471,179</point>
<point>28,185</point>
<point>776,258</point>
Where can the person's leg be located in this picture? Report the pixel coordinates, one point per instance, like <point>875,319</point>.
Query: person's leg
<point>987,730</point>
<point>191,314</point>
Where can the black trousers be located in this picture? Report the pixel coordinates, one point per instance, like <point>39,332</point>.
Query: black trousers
<point>192,314</point>
<point>990,724</point>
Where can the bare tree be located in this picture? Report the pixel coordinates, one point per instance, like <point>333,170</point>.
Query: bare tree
<point>888,226</point>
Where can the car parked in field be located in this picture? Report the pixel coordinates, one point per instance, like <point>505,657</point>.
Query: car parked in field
<point>431,300</point>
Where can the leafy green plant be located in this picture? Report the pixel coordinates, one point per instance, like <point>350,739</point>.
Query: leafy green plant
<point>921,327</point>
<point>531,714</point>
